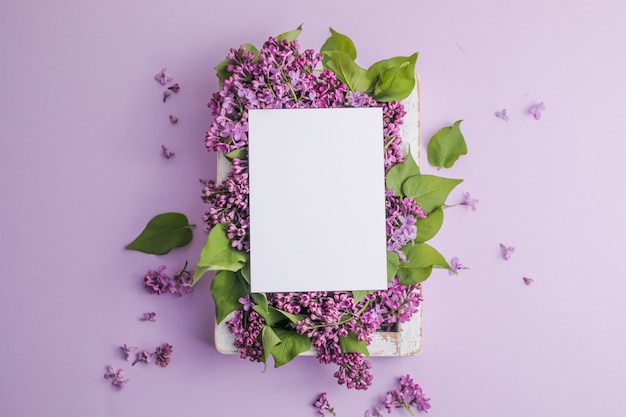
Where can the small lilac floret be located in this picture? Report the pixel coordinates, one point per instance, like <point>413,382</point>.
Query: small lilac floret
<point>469,201</point>
<point>502,115</point>
<point>163,77</point>
<point>506,251</point>
<point>455,266</point>
<point>127,350</point>
<point>537,109</point>
<point>116,376</point>
<point>322,405</point>
<point>151,316</point>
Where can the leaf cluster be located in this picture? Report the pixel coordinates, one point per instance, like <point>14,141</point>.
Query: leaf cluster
<point>430,193</point>
<point>391,79</point>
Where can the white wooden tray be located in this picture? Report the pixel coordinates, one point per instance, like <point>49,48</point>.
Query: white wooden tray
<point>407,340</point>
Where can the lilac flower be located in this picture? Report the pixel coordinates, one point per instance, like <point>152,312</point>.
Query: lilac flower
<point>156,280</point>
<point>181,283</point>
<point>323,406</point>
<point>506,251</point>
<point>246,302</point>
<point>127,350</point>
<point>455,266</point>
<point>143,356</point>
<point>151,316</point>
<point>378,412</point>
<point>167,154</point>
<point>116,376</point>
<point>528,281</point>
<point>162,354</point>
<point>469,201</point>
<point>175,88</point>
<point>163,77</point>
<point>410,395</point>
<point>537,109</point>
<point>173,119</point>
<point>502,115</point>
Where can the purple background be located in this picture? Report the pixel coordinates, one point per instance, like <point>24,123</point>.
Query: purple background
<point>82,122</point>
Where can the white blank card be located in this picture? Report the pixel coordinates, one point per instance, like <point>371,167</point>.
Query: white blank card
<point>317,200</point>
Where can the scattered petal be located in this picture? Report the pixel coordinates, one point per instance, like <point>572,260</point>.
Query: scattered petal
<point>163,77</point>
<point>116,376</point>
<point>528,281</point>
<point>127,350</point>
<point>151,316</point>
<point>143,356</point>
<point>469,201</point>
<point>506,251</point>
<point>175,88</point>
<point>166,152</point>
<point>502,115</point>
<point>173,119</point>
<point>455,266</point>
<point>537,109</point>
<point>166,94</point>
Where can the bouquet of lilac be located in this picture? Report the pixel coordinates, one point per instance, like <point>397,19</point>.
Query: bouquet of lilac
<point>339,325</point>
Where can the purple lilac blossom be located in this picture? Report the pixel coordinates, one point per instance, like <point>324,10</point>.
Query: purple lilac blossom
<point>162,354</point>
<point>455,266</point>
<point>163,77</point>
<point>322,405</point>
<point>127,350</point>
<point>469,201</point>
<point>502,115</point>
<point>402,214</point>
<point>116,376</point>
<point>143,356</point>
<point>151,316</point>
<point>410,395</point>
<point>537,109</point>
<point>506,251</point>
<point>156,281</point>
<point>528,281</point>
<point>167,154</point>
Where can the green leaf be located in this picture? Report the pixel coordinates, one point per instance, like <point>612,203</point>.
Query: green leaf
<point>394,78</point>
<point>429,191</point>
<point>290,36</point>
<point>350,344</point>
<point>218,254</point>
<point>400,172</point>
<point>393,261</point>
<point>422,258</point>
<point>245,272</point>
<point>292,344</point>
<point>422,255</point>
<point>227,288</point>
<point>378,68</point>
<point>358,295</point>
<point>222,68</point>
<point>427,228</point>
<point>241,153</point>
<point>294,318</point>
<point>411,276</point>
<point>271,315</point>
<point>338,42</point>
<point>446,146</point>
<point>269,340</point>
<point>347,71</point>
<point>162,234</point>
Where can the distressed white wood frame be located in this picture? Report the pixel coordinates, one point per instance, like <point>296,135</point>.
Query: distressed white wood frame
<point>407,340</point>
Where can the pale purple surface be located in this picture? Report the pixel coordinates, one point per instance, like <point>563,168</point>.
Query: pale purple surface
<point>82,121</point>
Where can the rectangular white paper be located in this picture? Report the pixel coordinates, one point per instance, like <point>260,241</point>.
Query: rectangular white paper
<point>317,200</point>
